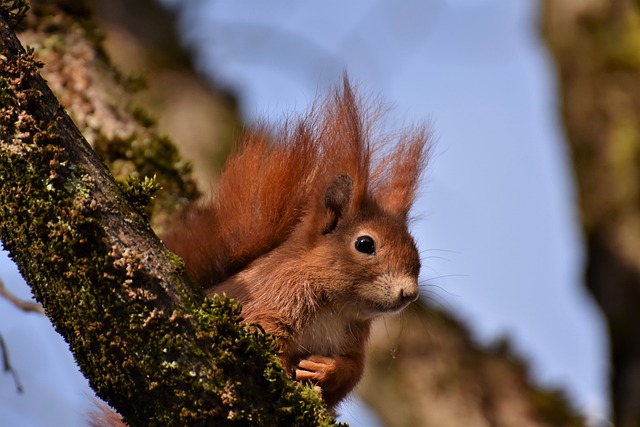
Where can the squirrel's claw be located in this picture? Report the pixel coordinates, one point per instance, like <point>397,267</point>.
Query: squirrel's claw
<point>323,371</point>
<point>316,368</point>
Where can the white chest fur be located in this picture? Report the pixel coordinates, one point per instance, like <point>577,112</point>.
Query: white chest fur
<point>327,334</point>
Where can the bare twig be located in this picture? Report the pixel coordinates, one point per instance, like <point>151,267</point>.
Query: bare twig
<point>22,305</point>
<point>6,365</point>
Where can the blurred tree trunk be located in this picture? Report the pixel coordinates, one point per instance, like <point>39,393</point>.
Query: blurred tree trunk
<point>596,47</point>
<point>199,117</point>
<point>424,369</point>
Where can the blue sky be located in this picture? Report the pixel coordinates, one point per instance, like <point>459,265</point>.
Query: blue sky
<point>497,216</point>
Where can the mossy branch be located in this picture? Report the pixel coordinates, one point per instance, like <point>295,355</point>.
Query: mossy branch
<point>14,11</point>
<point>148,341</point>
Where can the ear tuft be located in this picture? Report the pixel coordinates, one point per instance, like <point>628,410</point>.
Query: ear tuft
<point>336,200</point>
<point>397,175</point>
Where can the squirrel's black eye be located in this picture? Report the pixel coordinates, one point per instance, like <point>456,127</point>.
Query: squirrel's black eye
<point>366,245</point>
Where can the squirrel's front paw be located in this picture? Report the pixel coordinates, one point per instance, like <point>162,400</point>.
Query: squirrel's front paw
<point>327,373</point>
<point>334,376</point>
<point>317,369</point>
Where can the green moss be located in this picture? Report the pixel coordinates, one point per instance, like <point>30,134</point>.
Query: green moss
<point>141,192</point>
<point>131,143</point>
<point>133,82</point>
<point>133,333</point>
<point>51,14</point>
<point>143,117</point>
<point>552,407</point>
<point>622,42</point>
<point>622,159</point>
<point>147,154</point>
<point>14,11</point>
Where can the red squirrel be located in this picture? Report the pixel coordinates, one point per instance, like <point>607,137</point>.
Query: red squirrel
<point>308,231</point>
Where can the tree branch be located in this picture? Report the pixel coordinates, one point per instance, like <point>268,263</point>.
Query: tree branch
<point>6,365</point>
<point>145,337</point>
<point>18,303</point>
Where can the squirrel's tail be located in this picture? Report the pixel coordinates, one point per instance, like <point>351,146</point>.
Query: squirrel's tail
<point>103,416</point>
<point>261,196</point>
<point>278,177</point>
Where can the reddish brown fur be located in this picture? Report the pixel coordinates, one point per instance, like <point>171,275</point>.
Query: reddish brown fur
<point>103,416</point>
<point>278,177</point>
<point>279,236</point>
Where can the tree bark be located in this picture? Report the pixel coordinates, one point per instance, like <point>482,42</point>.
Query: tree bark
<point>146,338</point>
<point>596,48</point>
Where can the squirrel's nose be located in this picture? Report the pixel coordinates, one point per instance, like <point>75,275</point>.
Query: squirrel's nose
<point>409,291</point>
<point>408,295</point>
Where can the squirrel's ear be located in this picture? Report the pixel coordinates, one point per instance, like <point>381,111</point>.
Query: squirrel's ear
<point>402,168</point>
<point>336,201</point>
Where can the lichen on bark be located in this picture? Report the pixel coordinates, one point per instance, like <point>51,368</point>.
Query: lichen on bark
<point>148,341</point>
<point>98,98</point>
<point>14,10</point>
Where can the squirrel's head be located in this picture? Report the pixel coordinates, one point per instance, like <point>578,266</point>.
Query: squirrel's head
<point>365,259</point>
<point>357,230</point>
